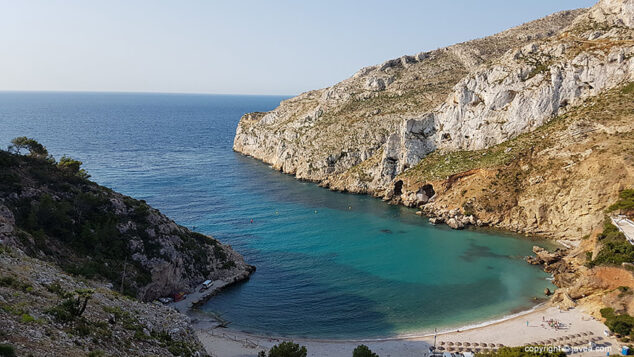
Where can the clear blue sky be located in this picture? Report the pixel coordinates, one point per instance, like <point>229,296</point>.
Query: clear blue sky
<point>242,47</point>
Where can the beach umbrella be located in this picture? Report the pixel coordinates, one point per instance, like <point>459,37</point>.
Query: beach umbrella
<point>484,344</point>
<point>578,335</point>
<point>560,339</point>
<point>467,344</point>
<point>442,343</point>
<point>441,348</point>
<point>450,349</point>
<point>501,345</point>
<point>451,343</point>
<point>590,333</point>
<point>492,344</point>
<point>585,333</point>
<point>476,344</point>
<point>458,343</point>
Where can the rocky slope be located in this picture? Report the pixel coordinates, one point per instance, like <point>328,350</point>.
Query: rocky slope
<point>90,230</point>
<point>35,318</point>
<point>388,129</point>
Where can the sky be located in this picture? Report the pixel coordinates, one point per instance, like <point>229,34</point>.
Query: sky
<point>232,47</point>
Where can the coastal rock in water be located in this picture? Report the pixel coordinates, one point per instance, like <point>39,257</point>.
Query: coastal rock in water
<point>545,257</point>
<point>455,223</point>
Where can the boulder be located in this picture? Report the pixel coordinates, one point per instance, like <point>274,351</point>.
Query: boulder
<point>455,223</point>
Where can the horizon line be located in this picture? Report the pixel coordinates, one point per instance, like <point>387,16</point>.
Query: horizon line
<point>138,92</point>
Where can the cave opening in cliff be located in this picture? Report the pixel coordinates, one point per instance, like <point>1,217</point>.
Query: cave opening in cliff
<point>428,190</point>
<point>398,187</point>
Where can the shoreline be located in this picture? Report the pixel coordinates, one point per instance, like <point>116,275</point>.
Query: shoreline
<point>518,329</point>
<point>199,325</point>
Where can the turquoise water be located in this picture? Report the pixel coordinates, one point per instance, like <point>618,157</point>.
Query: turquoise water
<point>330,265</point>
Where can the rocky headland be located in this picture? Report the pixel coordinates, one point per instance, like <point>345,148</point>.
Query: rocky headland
<point>81,264</point>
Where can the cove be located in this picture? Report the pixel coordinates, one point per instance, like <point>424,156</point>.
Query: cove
<point>330,265</point>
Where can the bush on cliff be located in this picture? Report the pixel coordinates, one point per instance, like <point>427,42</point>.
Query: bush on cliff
<point>72,167</point>
<point>7,350</point>
<point>625,203</point>
<point>23,143</point>
<point>615,249</point>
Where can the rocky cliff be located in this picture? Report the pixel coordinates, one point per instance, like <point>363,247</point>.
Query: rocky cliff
<point>392,130</point>
<point>92,231</point>
<point>37,316</point>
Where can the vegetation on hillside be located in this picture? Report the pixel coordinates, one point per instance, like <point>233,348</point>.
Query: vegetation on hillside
<point>614,247</point>
<point>64,217</point>
<point>439,165</point>
<point>71,316</point>
<point>625,204</point>
<point>620,324</point>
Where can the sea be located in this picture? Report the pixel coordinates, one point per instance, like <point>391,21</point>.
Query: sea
<point>329,265</point>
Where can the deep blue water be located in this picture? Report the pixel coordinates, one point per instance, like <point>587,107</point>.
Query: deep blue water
<point>329,264</point>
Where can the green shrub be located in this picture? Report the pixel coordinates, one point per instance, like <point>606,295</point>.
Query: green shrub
<point>607,312</point>
<point>72,167</point>
<point>11,282</point>
<point>26,318</point>
<point>7,350</point>
<point>288,349</point>
<point>73,306</point>
<point>625,202</point>
<point>23,143</point>
<point>615,248</point>
<point>363,351</point>
<point>622,324</point>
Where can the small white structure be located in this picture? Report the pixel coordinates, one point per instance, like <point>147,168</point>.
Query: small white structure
<point>207,284</point>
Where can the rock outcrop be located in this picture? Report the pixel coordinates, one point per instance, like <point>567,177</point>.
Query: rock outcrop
<point>380,131</point>
<point>35,318</point>
<point>323,134</point>
<point>93,231</point>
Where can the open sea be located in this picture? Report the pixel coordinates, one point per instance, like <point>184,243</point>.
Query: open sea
<point>329,265</point>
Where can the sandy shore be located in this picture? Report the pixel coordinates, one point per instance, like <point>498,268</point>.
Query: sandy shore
<point>519,330</point>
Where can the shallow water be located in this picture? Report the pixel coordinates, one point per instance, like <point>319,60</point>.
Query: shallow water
<point>330,265</point>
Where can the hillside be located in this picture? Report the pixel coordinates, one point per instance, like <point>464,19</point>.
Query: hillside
<point>38,316</point>
<point>56,215</point>
<point>390,130</point>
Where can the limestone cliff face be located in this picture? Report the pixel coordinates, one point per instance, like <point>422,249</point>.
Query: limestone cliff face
<point>322,134</point>
<point>376,131</point>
